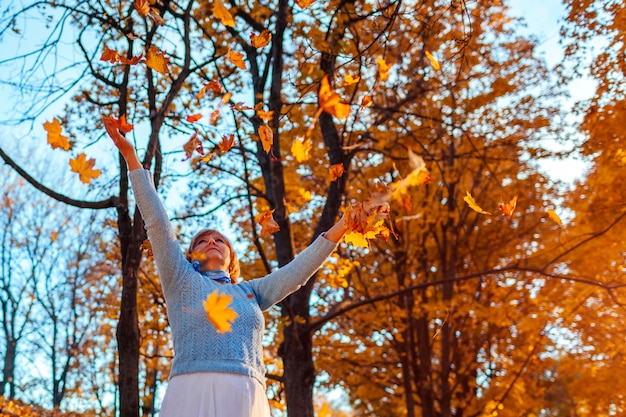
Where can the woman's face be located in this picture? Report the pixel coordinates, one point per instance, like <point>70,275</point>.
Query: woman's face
<point>212,251</point>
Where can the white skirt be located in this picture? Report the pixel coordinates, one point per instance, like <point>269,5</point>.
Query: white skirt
<point>214,394</point>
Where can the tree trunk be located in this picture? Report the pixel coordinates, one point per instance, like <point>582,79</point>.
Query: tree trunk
<point>8,371</point>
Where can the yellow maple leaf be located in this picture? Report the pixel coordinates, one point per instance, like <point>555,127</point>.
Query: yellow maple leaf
<point>433,60</point>
<point>267,137</point>
<point>383,69</point>
<point>55,138</point>
<point>236,58</point>
<point>330,102</point>
<point>84,168</point>
<point>555,217</point>
<point>261,40</point>
<point>349,79</point>
<point>218,312</point>
<point>300,148</point>
<point>472,204</point>
<point>221,12</point>
<point>156,59</point>
<point>267,222</point>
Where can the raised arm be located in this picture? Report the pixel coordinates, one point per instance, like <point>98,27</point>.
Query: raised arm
<point>127,150</point>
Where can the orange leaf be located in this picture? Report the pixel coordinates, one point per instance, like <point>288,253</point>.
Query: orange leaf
<point>300,148</point>
<point>366,102</point>
<point>193,144</point>
<point>212,85</point>
<point>555,217</point>
<point>120,124</point>
<point>236,58</point>
<point>221,12</point>
<point>383,69</point>
<point>142,6</point>
<point>218,312</point>
<point>432,60</point>
<point>261,40</point>
<point>349,79</point>
<point>508,208</point>
<point>156,59</point>
<point>330,101</point>
<point>146,247</point>
<point>55,139</point>
<point>267,137</point>
<point>267,222</point>
<point>266,116</point>
<point>472,204</point>
<point>215,115</point>
<point>158,19</point>
<point>304,3</point>
<point>419,175</point>
<point>192,118</point>
<point>110,55</point>
<point>84,168</point>
<point>335,171</point>
<point>227,143</point>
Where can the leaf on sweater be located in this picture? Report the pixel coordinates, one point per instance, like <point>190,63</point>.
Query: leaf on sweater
<point>218,312</point>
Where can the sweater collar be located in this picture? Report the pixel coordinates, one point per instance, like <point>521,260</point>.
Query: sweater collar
<point>215,275</point>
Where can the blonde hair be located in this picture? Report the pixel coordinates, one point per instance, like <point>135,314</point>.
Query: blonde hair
<point>233,265</point>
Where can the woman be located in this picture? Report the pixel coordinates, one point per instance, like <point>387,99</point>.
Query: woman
<point>214,374</point>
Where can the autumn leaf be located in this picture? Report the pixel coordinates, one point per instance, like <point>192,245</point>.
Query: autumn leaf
<point>508,208</point>
<point>192,118</point>
<point>84,168</point>
<point>366,102</point>
<point>113,56</point>
<point>158,19</point>
<point>146,247</point>
<point>156,59</point>
<point>120,123</point>
<point>227,143</point>
<point>213,86</point>
<point>335,172</point>
<point>349,79</point>
<point>221,12</point>
<point>432,60</point>
<point>555,217</point>
<point>193,144</point>
<point>364,223</point>
<point>472,204</point>
<point>218,312</point>
<point>55,138</point>
<point>236,58</point>
<point>264,115</point>
<point>261,40</point>
<point>300,148</point>
<point>304,3</point>
<point>419,175</point>
<point>267,222</point>
<point>142,6</point>
<point>330,102</point>
<point>267,137</point>
<point>383,69</point>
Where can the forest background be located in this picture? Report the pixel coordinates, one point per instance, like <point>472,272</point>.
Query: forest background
<point>499,289</point>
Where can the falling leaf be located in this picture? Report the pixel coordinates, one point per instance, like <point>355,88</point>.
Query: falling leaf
<point>193,144</point>
<point>264,115</point>
<point>218,312</point>
<point>212,85</point>
<point>142,6</point>
<point>113,56</point>
<point>267,222</point>
<point>54,235</point>
<point>192,118</point>
<point>236,58</point>
<point>158,19</point>
<point>240,106</point>
<point>304,3</point>
<point>383,69</point>
<point>330,101</point>
<point>227,143</point>
<point>84,168</point>
<point>366,102</point>
<point>221,12</point>
<point>226,98</point>
<point>215,115</point>
<point>432,60</point>
<point>146,247</point>
<point>55,139</point>
<point>156,59</point>
<point>267,137</point>
<point>335,171</point>
<point>197,256</point>
<point>300,148</point>
<point>349,79</point>
<point>472,204</point>
<point>120,124</point>
<point>419,175</point>
<point>261,40</point>
<point>508,208</point>
<point>555,217</point>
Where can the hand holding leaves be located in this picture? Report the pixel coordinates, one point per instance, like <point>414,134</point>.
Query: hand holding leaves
<point>113,127</point>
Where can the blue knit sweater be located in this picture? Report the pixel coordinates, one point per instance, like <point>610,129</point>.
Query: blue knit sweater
<point>197,345</point>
